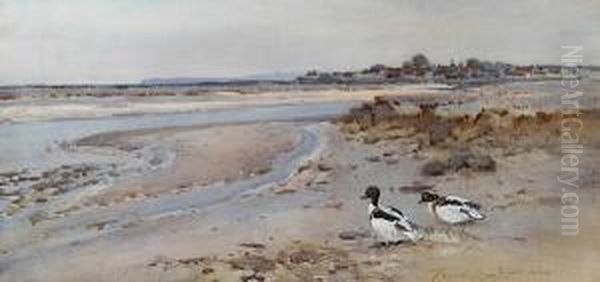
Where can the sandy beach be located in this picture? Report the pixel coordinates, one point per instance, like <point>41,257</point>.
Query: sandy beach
<point>64,106</point>
<point>274,196</point>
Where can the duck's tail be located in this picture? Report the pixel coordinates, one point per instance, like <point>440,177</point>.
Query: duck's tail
<point>474,214</point>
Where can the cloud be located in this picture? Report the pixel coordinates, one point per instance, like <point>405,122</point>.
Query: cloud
<point>6,22</point>
<point>127,40</point>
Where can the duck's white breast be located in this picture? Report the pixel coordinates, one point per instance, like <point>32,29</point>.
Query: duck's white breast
<point>386,230</point>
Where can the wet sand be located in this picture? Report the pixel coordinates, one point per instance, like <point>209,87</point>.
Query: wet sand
<point>200,157</point>
<point>520,242</point>
<point>36,109</point>
<point>308,226</point>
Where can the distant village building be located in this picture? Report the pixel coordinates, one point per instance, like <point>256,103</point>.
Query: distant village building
<point>419,70</point>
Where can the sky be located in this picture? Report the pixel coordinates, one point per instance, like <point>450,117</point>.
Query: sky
<point>112,41</point>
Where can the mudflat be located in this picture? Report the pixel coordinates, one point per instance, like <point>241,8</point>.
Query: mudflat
<point>279,200</point>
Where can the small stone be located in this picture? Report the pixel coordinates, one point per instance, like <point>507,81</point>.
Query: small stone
<point>371,139</point>
<point>351,235</point>
<point>253,245</point>
<point>392,161</point>
<point>374,159</point>
<point>303,167</point>
<point>41,200</point>
<point>285,191</point>
<point>321,179</point>
<point>335,205</point>
<point>52,191</point>
<point>38,217</point>
<point>434,168</point>
<point>324,167</point>
<point>415,188</point>
<point>331,268</point>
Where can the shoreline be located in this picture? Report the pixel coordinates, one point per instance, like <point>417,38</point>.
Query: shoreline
<point>202,237</point>
<point>61,109</point>
<point>310,224</point>
<point>179,200</point>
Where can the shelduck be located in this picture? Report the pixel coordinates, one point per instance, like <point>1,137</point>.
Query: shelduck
<point>389,223</point>
<point>452,209</point>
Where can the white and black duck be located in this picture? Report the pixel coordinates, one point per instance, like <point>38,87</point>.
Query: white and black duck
<point>452,209</point>
<point>389,223</point>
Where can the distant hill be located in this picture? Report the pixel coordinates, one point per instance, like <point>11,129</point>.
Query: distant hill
<point>278,76</point>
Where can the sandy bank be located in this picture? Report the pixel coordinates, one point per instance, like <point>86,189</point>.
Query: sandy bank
<point>200,157</point>
<point>65,108</point>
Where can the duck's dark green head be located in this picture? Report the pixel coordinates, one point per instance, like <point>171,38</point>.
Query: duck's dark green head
<point>427,197</point>
<point>372,193</point>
